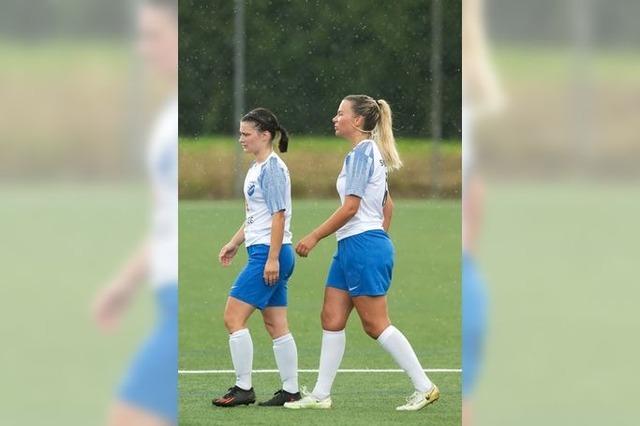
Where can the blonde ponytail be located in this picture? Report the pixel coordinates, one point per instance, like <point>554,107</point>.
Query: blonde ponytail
<point>383,136</point>
<point>377,121</point>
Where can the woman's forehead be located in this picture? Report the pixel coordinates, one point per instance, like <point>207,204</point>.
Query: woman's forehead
<point>247,125</point>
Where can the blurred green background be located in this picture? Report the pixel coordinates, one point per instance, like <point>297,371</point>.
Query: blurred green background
<point>303,57</point>
<point>300,60</point>
<point>207,167</point>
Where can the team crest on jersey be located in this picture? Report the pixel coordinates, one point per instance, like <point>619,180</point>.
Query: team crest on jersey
<point>251,189</point>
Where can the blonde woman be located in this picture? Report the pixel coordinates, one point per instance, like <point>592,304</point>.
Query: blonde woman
<point>360,274</point>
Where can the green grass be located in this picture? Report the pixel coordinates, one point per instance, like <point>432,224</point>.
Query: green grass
<point>60,244</point>
<point>358,399</point>
<point>560,262</point>
<point>424,302</point>
<point>324,143</point>
<point>558,64</point>
<point>59,56</point>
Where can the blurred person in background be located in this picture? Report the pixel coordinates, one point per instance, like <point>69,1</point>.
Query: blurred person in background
<point>481,95</point>
<point>148,393</point>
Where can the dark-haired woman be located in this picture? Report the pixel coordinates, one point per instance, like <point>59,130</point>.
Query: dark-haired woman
<point>360,274</point>
<point>262,284</point>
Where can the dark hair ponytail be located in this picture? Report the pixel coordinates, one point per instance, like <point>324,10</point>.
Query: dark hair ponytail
<point>266,121</point>
<point>283,144</point>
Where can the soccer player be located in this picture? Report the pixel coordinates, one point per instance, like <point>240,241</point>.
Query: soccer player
<point>148,393</point>
<point>262,283</point>
<point>360,274</point>
<point>482,95</point>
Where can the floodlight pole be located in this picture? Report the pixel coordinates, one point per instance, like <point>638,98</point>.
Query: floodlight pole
<point>131,143</point>
<point>436,88</point>
<point>238,88</point>
<point>582,89</point>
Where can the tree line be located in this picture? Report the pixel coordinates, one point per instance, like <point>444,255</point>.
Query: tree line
<point>302,57</point>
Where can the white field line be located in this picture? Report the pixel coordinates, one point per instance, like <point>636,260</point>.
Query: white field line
<point>346,370</point>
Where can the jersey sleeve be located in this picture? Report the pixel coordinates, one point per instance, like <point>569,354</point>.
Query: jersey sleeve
<point>273,182</point>
<point>359,169</point>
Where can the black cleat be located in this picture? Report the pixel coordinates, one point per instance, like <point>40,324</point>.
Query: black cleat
<point>279,398</point>
<point>236,396</point>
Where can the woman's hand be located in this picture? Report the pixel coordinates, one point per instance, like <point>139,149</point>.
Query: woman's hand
<point>305,245</point>
<point>271,271</point>
<point>108,307</point>
<point>226,253</point>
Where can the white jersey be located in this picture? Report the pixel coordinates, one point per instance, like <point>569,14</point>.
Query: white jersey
<point>162,161</point>
<point>364,174</point>
<point>267,190</point>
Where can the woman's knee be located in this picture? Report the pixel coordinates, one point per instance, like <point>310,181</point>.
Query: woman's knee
<point>233,322</point>
<point>374,328</point>
<point>332,320</point>
<point>276,328</point>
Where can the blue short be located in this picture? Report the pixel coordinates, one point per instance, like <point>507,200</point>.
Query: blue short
<point>363,264</point>
<point>250,286</point>
<point>474,318</point>
<point>151,383</point>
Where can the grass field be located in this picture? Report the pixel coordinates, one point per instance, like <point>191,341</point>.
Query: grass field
<point>424,302</point>
<point>560,262</point>
<point>60,244</point>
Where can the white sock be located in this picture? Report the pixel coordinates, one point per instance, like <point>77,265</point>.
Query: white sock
<point>241,347</point>
<point>394,342</point>
<point>333,344</point>
<point>286,353</point>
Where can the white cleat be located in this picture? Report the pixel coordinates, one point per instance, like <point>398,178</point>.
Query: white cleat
<point>308,401</point>
<point>420,400</point>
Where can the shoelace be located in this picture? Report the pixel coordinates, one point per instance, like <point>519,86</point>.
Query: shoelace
<point>415,397</point>
<point>229,393</point>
